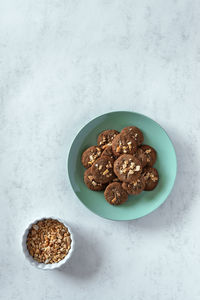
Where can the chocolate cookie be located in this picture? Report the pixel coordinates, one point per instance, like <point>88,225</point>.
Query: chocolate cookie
<point>102,169</point>
<point>90,155</point>
<point>106,137</point>
<point>127,168</point>
<point>141,156</point>
<point>91,183</point>
<point>150,154</point>
<point>151,178</point>
<point>108,152</point>
<point>135,132</point>
<point>123,144</point>
<point>115,194</point>
<point>135,187</point>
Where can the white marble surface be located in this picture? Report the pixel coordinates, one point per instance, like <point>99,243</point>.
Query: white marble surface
<point>63,62</point>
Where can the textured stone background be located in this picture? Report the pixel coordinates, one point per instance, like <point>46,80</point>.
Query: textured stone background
<point>61,64</point>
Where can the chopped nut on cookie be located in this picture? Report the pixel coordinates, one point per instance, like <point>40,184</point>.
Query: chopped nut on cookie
<point>102,169</point>
<point>150,153</point>
<point>90,155</point>
<point>127,168</point>
<point>91,183</point>
<point>123,144</point>
<point>151,178</point>
<point>115,194</point>
<point>135,187</point>
<point>134,132</point>
<point>106,137</point>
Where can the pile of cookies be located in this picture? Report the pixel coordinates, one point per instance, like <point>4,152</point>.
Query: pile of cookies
<point>120,165</point>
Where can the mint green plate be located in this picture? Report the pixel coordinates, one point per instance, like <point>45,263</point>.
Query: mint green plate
<point>136,206</point>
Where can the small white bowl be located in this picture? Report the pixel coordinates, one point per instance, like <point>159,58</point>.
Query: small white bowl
<point>44,266</point>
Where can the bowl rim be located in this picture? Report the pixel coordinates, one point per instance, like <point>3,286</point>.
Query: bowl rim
<point>44,266</point>
<point>107,114</point>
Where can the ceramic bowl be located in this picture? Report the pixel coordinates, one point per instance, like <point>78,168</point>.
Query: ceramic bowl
<point>44,266</point>
<point>136,206</point>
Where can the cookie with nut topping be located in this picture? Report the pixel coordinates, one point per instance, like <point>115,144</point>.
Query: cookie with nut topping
<point>141,156</point>
<point>134,132</point>
<point>91,183</point>
<point>108,152</point>
<point>150,153</point>
<point>115,194</point>
<point>90,155</point>
<point>127,168</point>
<point>106,137</point>
<point>135,187</point>
<point>102,169</point>
<point>151,178</point>
<point>123,144</point>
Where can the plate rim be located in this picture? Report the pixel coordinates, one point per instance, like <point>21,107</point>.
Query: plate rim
<point>70,153</point>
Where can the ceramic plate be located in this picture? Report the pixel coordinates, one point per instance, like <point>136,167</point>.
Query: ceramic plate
<point>136,206</point>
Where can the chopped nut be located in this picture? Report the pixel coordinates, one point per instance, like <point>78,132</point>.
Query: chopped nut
<point>103,140</point>
<point>118,149</point>
<point>109,165</point>
<point>108,175</point>
<point>130,172</point>
<point>45,241</point>
<point>105,172</point>
<point>69,240</point>
<point>146,175</point>
<point>113,200</point>
<point>148,151</point>
<point>154,179</point>
<point>137,168</point>
<point>35,227</point>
